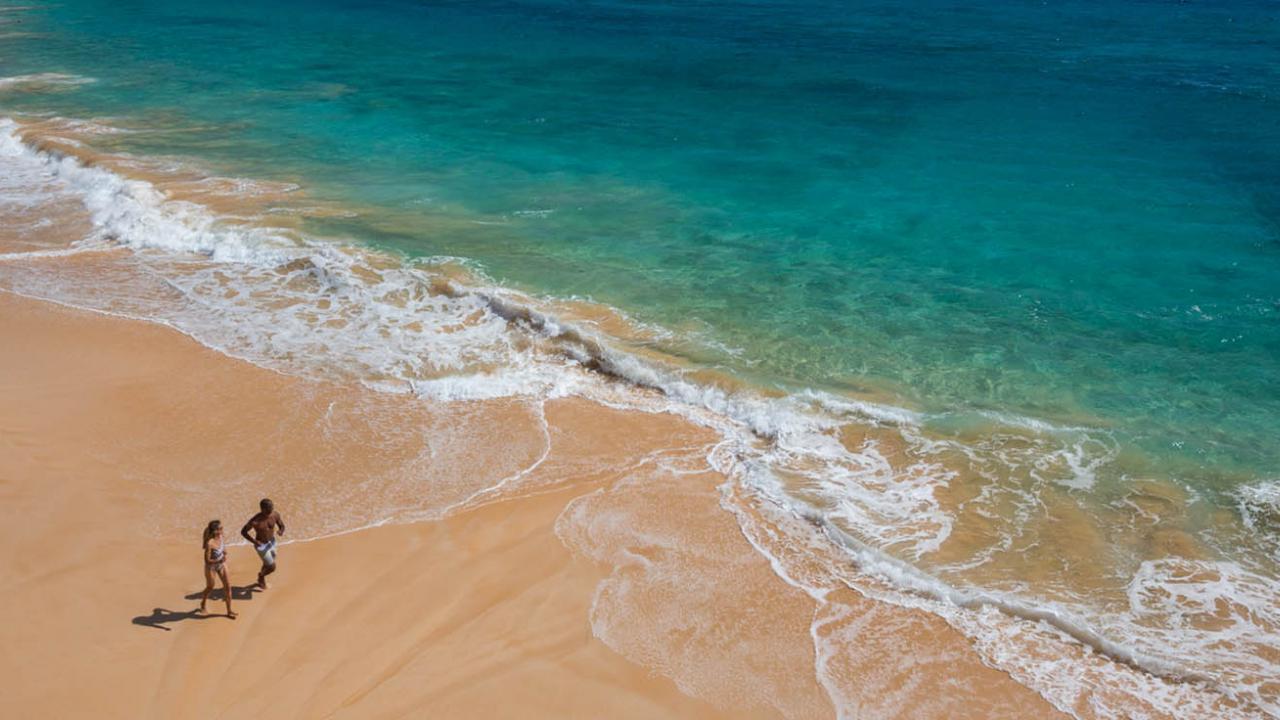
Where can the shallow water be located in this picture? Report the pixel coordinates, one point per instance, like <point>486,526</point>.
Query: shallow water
<point>1067,212</point>
<point>1043,240</point>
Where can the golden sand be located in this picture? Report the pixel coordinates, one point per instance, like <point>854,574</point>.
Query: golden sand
<point>577,568</point>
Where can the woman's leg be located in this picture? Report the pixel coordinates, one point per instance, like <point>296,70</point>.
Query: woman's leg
<point>226,588</point>
<point>208,586</point>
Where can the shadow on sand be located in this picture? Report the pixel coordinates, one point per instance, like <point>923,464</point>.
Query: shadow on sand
<point>161,618</point>
<point>242,592</point>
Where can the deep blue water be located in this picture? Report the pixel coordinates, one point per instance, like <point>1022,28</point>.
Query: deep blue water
<point>1069,211</point>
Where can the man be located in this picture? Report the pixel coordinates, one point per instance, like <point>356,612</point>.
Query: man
<point>264,526</point>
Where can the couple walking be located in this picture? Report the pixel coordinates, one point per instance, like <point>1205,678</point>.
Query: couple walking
<point>264,526</point>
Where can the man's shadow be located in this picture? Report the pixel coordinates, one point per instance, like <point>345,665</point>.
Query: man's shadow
<point>161,618</point>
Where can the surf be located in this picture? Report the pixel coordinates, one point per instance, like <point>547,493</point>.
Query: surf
<point>869,475</point>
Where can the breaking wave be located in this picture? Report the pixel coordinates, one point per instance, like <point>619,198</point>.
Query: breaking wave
<point>870,477</point>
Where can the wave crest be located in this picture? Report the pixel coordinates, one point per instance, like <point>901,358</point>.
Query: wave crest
<point>870,475</point>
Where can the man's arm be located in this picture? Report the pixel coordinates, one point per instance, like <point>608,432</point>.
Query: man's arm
<point>280,523</point>
<point>244,531</point>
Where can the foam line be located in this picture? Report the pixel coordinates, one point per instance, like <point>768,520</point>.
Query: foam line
<point>446,340</point>
<point>60,253</point>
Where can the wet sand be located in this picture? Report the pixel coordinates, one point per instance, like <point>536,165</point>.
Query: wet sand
<point>561,559</point>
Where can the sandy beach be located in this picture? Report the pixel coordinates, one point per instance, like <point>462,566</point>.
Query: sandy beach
<point>508,605</point>
<point>640,360</point>
<point>482,615</point>
<point>506,554</point>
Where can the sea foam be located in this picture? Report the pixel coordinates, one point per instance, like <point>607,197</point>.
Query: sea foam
<point>325,308</point>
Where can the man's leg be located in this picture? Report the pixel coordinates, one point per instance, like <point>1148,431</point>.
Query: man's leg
<point>268,566</point>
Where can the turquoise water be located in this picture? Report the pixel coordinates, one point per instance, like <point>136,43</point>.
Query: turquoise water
<point>1070,212</point>
<point>1053,230</point>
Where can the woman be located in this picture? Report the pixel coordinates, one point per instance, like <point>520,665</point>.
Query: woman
<point>215,562</point>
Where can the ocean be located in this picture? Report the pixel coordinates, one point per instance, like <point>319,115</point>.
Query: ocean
<point>988,291</point>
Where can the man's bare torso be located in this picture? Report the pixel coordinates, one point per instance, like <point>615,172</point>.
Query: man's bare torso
<point>263,526</point>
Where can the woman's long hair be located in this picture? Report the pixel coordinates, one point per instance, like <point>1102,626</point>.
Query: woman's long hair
<point>209,530</point>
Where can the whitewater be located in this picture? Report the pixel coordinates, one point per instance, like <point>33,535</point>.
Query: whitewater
<point>869,508</point>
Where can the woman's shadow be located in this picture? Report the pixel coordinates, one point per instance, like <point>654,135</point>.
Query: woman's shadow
<point>161,618</point>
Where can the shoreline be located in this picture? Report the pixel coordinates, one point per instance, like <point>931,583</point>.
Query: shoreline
<point>489,595</point>
<point>352,460</point>
<point>208,667</point>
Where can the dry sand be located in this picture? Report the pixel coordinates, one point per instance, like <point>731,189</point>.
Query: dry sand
<point>565,560</point>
